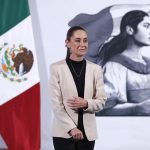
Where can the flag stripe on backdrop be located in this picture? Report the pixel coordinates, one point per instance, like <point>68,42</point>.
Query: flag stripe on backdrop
<point>12,12</point>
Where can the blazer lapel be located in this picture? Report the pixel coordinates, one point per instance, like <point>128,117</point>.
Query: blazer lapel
<point>70,78</point>
<point>87,79</point>
<point>71,83</point>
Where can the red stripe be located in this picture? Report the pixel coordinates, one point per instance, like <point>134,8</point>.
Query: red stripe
<point>20,120</point>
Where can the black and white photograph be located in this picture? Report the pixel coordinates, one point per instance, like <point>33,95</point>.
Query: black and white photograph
<point>119,41</point>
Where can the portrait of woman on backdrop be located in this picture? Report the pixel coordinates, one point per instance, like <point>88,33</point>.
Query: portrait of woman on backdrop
<point>126,69</point>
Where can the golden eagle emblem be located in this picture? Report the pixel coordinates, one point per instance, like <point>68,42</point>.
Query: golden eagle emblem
<point>15,62</point>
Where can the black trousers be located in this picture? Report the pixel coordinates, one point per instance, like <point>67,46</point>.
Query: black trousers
<point>70,144</point>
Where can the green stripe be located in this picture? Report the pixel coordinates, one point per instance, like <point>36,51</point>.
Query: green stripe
<point>11,13</point>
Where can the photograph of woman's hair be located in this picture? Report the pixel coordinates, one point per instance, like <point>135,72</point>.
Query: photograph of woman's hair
<point>126,70</point>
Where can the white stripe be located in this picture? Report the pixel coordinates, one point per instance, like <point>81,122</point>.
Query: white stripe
<point>21,34</point>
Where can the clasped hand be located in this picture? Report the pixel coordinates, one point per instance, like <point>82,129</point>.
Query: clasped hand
<point>76,134</point>
<point>77,102</point>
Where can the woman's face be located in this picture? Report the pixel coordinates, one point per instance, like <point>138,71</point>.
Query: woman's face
<point>142,36</point>
<point>78,44</point>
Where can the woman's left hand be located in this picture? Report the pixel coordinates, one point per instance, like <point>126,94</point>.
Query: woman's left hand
<point>77,102</point>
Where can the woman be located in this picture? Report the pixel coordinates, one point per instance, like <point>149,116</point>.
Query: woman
<point>77,93</point>
<point>126,71</point>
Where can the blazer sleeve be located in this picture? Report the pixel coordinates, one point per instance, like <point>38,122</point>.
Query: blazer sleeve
<point>97,103</point>
<point>58,107</point>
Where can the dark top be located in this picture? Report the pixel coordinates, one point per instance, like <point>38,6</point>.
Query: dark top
<point>78,69</point>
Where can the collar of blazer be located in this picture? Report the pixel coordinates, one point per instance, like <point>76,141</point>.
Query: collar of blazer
<point>88,76</point>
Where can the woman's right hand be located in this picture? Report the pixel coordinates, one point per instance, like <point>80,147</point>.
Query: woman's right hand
<point>76,134</point>
<point>143,108</point>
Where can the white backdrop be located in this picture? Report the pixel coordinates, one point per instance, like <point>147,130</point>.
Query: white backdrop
<point>50,20</point>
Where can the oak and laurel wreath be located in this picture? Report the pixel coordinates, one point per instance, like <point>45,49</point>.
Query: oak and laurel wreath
<point>13,79</point>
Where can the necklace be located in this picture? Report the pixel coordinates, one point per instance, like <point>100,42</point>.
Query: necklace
<point>78,75</point>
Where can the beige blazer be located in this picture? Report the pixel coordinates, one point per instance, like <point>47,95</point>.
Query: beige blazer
<point>63,88</point>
